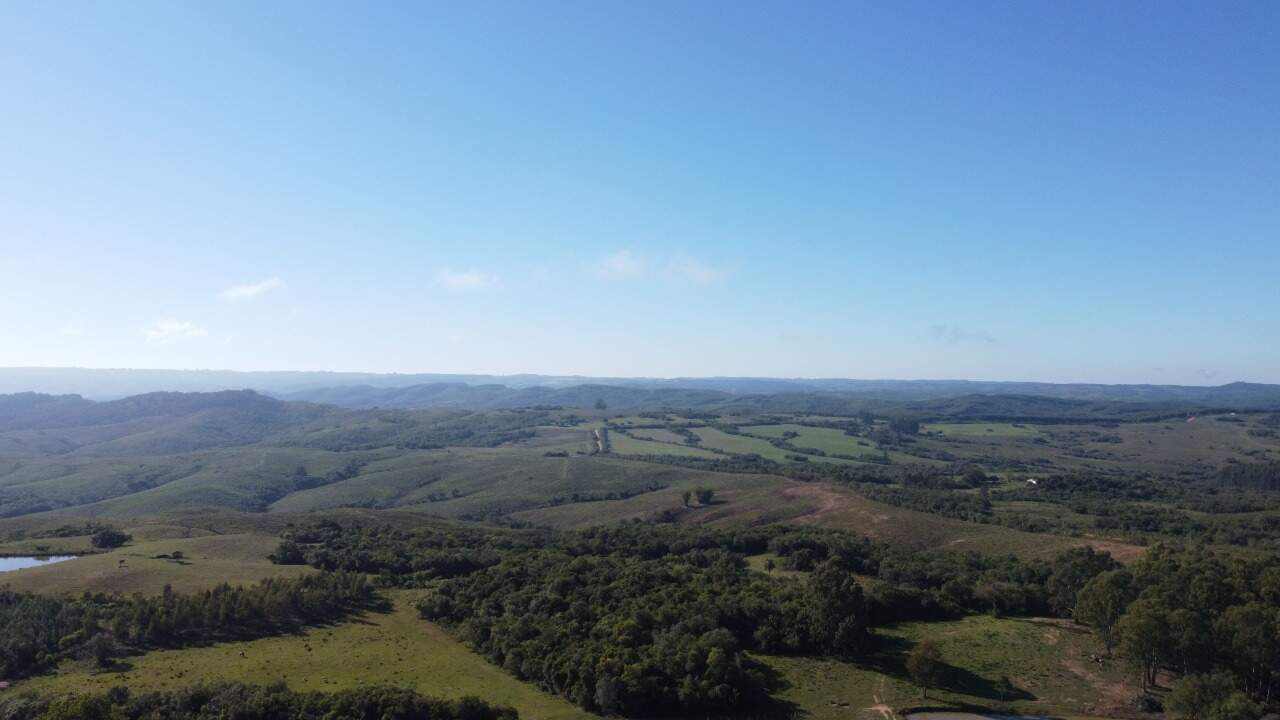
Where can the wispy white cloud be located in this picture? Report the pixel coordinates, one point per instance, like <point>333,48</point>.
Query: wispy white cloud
<point>622,263</point>
<point>695,272</point>
<point>466,279</point>
<point>164,331</point>
<point>954,335</point>
<point>250,290</point>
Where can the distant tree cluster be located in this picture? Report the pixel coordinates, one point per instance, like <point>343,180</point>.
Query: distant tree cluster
<point>397,557</point>
<point>108,538</point>
<point>220,701</point>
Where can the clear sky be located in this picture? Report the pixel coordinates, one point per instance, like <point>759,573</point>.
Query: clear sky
<point>1069,191</point>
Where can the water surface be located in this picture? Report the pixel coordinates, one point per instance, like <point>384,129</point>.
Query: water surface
<point>18,563</point>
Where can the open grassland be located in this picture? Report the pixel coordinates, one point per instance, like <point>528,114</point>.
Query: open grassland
<point>981,429</point>
<point>755,499</point>
<point>623,445</point>
<point>569,439</point>
<point>740,444</point>
<point>206,561</point>
<point>1047,661</point>
<point>828,440</point>
<point>658,434</point>
<point>83,544</point>
<point>396,648</point>
<point>478,483</point>
<point>1173,447</point>
<point>239,478</point>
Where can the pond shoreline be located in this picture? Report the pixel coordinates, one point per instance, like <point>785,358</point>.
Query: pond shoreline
<point>23,562</point>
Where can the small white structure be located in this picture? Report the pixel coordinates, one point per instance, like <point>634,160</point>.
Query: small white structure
<point>1032,481</point>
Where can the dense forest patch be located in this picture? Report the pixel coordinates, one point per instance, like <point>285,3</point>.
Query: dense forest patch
<point>640,619</point>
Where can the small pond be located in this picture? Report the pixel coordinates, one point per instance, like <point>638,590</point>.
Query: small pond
<point>18,563</point>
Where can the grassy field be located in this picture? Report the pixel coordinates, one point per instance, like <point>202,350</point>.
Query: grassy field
<point>828,440</point>
<point>981,429</point>
<point>623,445</point>
<point>207,561</point>
<point>754,499</point>
<point>239,478</point>
<point>740,444</point>
<point>659,434</point>
<point>396,648</point>
<point>1171,447</point>
<point>479,482</point>
<point>1047,661</point>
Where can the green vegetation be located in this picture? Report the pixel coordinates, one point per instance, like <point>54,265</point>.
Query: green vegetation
<point>740,444</point>
<point>661,569</point>
<point>638,619</point>
<point>828,440</point>
<point>623,444</point>
<point>981,429</point>
<point>234,558</point>
<point>1048,664</point>
<point>1194,614</point>
<point>216,701</point>
<point>38,631</point>
<point>385,648</point>
<point>658,435</point>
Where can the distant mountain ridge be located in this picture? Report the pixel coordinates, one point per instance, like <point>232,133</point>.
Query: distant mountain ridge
<point>356,390</point>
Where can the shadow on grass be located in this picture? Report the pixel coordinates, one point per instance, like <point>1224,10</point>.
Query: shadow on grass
<point>116,665</point>
<point>767,706</point>
<point>890,659</point>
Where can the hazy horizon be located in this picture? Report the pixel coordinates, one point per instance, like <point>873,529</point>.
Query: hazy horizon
<point>656,378</point>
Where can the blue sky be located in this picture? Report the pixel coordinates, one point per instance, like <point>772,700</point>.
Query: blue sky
<point>1084,191</point>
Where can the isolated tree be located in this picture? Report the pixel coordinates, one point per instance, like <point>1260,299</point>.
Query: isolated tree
<point>1072,570</point>
<point>684,497</point>
<point>601,404</point>
<point>704,495</point>
<point>924,664</point>
<point>837,610</point>
<point>108,538</point>
<point>1101,603</point>
<point>288,553</point>
<point>975,477</point>
<point>1145,638</point>
<point>103,649</point>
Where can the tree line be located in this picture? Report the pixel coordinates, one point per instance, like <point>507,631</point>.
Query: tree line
<point>219,701</point>
<point>37,632</point>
